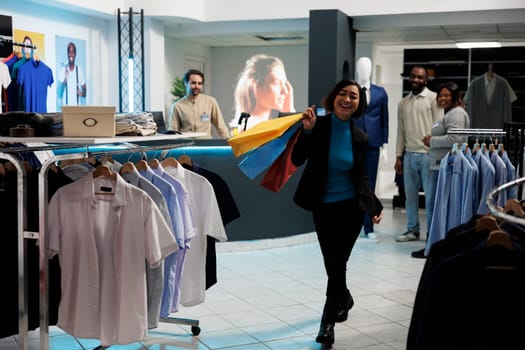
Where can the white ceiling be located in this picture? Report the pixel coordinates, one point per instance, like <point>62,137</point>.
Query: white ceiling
<point>507,26</point>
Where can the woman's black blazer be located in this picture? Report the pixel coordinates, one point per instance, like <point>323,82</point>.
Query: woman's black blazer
<point>314,147</point>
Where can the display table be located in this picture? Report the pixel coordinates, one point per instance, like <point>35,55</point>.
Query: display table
<point>264,214</point>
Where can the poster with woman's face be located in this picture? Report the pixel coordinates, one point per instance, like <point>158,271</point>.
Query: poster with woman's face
<point>263,91</point>
<point>33,44</point>
<point>70,72</point>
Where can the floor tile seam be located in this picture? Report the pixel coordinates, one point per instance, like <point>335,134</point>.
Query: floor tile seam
<point>255,341</point>
<point>388,320</point>
<point>286,337</point>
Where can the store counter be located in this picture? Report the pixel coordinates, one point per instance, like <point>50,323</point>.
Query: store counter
<point>264,214</point>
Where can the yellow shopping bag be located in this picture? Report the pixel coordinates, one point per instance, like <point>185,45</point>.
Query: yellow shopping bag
<point>262,133</point>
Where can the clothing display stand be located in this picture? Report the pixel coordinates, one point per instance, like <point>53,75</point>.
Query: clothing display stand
<point>22,256</point>
<point>477,132</point>
<point>491,202</point>
<point>515,141</point>
<point>497,134</point>
<point>10,41</point>
<point>132,144</point>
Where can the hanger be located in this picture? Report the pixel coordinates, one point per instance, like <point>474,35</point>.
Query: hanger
<point>141,165</point>
<point>514,206</point>
<point>104,170</point>
<point>476,147</point>
<point>501,148</point>
<point>454,149</point>
<point>127,167</point>
<point>153,163</point>
<point>170,161</point>
<point>184,159</point>
<point>107,158</point>
<point>65,162</point>
<point>11,167</point>
<point>500,238</point>
<point>486,222</point>
<point>53,167</point>
<point>497,235</point>
<point>490,71</point>
<point>483,148</point>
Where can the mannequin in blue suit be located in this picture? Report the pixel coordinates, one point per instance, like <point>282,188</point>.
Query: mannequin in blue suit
<point>375,123</point>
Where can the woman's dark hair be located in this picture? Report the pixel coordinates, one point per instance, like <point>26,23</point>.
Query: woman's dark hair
<point>328,102</point>
<point>455,93</point>
<point>190,72</point>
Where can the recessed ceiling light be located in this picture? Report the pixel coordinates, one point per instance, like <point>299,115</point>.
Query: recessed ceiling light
<point>480,44</point>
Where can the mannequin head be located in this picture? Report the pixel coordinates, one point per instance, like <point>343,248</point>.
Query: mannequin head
<point>364,70</point>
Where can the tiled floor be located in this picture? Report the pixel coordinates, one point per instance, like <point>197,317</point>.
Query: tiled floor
<point>270,295</point>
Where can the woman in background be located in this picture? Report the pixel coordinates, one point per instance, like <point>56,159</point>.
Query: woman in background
<point>262,91</point>
<point>439,141</point>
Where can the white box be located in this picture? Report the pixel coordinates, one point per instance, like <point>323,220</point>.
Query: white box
<point>81,121</point>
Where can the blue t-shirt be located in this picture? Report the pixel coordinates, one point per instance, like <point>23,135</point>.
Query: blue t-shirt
<point>35,77</point>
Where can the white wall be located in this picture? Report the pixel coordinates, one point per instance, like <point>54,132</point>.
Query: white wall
<point>155,65</point>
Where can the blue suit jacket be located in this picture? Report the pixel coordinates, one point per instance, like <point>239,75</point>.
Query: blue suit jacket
<point>375,120</point>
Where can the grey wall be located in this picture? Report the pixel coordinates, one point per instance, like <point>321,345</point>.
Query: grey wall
<point>331,52</point>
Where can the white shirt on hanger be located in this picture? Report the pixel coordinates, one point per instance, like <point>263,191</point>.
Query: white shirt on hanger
<point>209,223</point>
<point>102,241</point>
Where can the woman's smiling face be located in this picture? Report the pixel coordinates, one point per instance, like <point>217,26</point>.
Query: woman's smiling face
<point>346,102</point>
<point>444,99</point>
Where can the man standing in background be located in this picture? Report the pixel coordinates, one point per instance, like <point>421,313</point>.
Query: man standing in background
<point>71,80</point>
<point>196,112</point>
<point>416,114</point>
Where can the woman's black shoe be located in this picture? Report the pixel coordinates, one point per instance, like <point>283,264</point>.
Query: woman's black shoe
<point>326,333</point>
<point>342,314</point>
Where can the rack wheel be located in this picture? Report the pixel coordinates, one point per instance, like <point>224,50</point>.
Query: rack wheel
<point>195,330</point>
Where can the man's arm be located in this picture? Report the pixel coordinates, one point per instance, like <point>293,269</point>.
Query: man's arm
<point>218,121</point>
<point>172,123</point>
<point>400,142</point>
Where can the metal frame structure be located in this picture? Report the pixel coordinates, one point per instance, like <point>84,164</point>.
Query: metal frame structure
<point>131,51</point>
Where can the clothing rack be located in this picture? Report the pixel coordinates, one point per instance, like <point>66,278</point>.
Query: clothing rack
<point>515,142</point>
<point>499,213</point>
<point>5,40</point>
<point>21,234</point>
<point>477,132</point>
<point>132,144</point>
